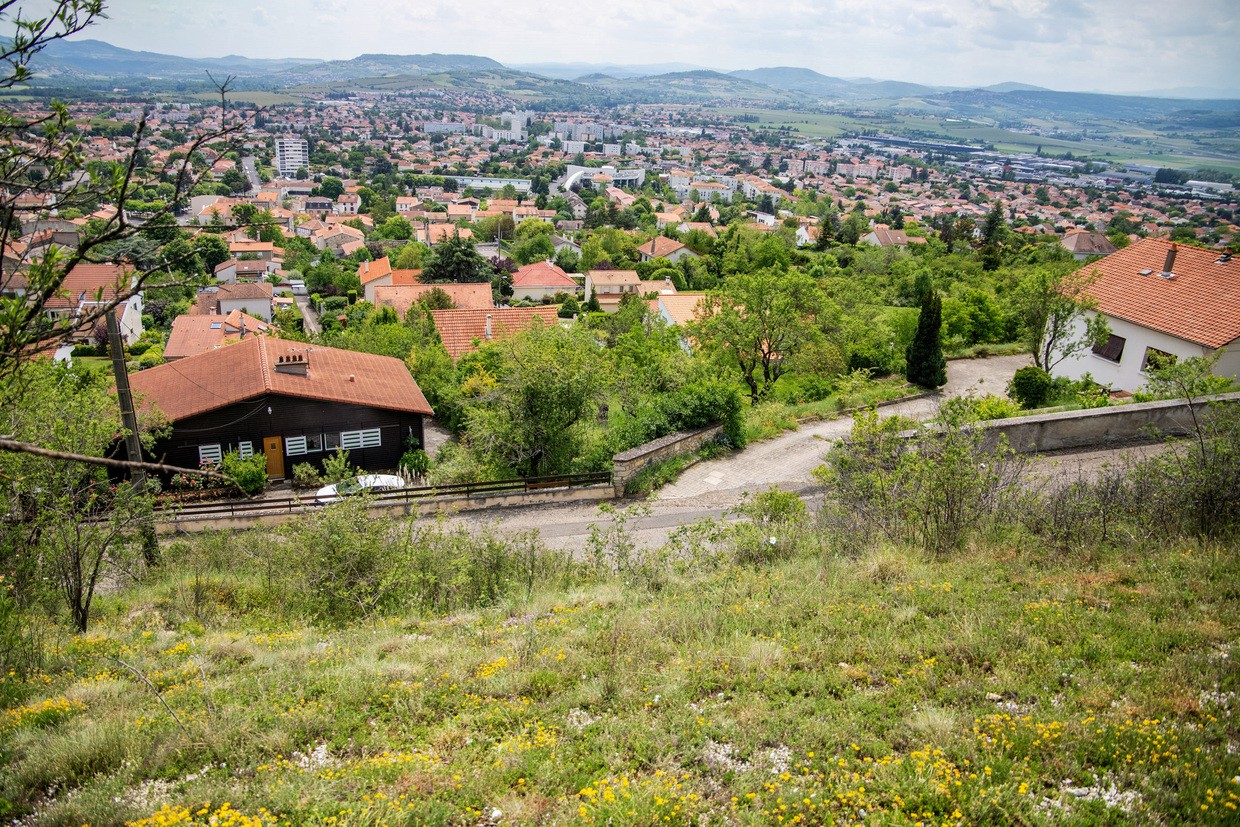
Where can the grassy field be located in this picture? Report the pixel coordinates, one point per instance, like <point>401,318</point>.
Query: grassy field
<point>1114,141</point>
<point>751,673</point>
<point>254,97</point>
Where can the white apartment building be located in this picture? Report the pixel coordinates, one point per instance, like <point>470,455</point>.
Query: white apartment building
<point>292,154</point>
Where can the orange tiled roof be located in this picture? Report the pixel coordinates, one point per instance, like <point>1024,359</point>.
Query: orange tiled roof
<point>218,378</point>
<point>87,281</point>
<point>1201,304</point>
<point>459,328</point>
<point>542,274</point>
<point>192,335</point>
<point>660,247</point>
<point>369,271</point>
<point>400,297</point>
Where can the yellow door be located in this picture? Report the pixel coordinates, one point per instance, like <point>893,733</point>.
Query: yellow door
<point>273,447</point>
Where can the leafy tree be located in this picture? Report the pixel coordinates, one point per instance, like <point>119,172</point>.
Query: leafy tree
<point>211,249</point>
<point>1058,315</point>
<point>534,248</point>
<point>924,361</point>
<point>548,382</point>
<point>759,320</point>
<point>456,260</point>
<point>236,181</point>
<point>330,187</point>
<point>69,526</point>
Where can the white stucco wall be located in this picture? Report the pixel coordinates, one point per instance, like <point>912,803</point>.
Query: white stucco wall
<point>1127,374</point>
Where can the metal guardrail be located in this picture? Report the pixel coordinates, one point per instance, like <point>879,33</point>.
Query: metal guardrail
<point>229,508</point>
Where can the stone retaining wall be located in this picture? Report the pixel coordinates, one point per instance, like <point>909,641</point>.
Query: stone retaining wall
<point>1137,422</point>
<point>627,464</point>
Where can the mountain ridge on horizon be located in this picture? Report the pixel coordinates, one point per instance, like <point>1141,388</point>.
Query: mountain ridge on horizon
<point>91,57</point>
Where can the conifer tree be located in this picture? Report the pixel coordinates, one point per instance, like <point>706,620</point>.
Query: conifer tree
<point>924,362</point>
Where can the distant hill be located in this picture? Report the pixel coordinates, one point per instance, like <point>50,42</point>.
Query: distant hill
<point>63,59</point>
<point>808,81</point>
<point>798,80</point>
<point>577,71</point>
<point>1012,86</point>
<point>378,65</point>
<point>698,86</point>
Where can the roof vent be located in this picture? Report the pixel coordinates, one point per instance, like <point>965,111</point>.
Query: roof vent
<point>294,364</point>
<point>1147,272</point>
<point>1224,258</point>
<point>1167,272</point>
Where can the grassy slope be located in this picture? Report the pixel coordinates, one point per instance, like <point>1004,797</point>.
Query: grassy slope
<point>811,690</point>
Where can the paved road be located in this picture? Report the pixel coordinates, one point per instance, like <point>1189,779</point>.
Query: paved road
<point>310,319</point>
<point>251,172</point>
<point>712,488</point>
<point>788,460</point>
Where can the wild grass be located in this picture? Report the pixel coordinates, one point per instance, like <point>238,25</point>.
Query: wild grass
<point>744,673</point>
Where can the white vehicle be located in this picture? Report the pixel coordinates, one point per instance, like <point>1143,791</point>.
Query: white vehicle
<point>374,483</point>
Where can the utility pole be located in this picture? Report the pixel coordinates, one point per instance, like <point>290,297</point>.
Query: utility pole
<point>129,422</point>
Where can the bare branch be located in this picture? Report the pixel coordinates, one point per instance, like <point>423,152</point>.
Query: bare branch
<point>17,446</point>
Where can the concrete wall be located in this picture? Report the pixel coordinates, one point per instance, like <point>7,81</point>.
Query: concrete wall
<point>1100,426</point>
<point>626,465</point>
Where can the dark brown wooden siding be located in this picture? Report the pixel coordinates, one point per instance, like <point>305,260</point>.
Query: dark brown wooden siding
<point>291,417</point>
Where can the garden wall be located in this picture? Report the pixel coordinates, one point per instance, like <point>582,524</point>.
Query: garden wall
<point>627,464</point>
<point>1137,422</point>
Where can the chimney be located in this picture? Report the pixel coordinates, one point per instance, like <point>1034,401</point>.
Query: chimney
<point>243,326</point>
<point>1167,272</point>
<point>488,325</point>
<point>294,364</point>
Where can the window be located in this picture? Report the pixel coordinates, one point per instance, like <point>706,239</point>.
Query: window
<point>1156,359</point>
<point>209,454</point>
<point>350,440</point>
<point>245,449</point>
<point>295,446</point>
<point>331,441</point>
<point>314,442</point>
<point>1112,349</point>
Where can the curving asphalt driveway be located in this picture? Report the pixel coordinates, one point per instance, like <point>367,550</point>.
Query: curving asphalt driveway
<point>711,488</point>
<point>788,459</point>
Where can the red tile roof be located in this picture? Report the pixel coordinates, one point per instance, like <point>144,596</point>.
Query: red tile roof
<point>192,335</point>
<point>459,328</point>
<point>542,274</point>
<point>1201,304</point>
<point>218,378</point>
<point>86,282</point>
<point>368,271</point>
<point>400,297</point>
<point>660,247</point>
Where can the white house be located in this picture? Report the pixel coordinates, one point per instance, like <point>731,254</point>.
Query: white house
<point>1160,300</point>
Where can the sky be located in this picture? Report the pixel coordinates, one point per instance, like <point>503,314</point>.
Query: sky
<point>1069,45</point>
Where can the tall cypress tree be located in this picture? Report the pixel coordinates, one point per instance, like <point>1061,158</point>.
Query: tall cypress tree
<point>924,362</point>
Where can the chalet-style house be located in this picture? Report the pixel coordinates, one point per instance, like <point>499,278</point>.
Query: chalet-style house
<point>291,401</point>
<point>1161,300</point>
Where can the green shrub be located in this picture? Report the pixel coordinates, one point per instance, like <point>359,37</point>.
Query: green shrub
<point>1031,387</point>
<point>336,467</point>
<point>305,475</point>
<point>250,473</point>
<point>416,462</point>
